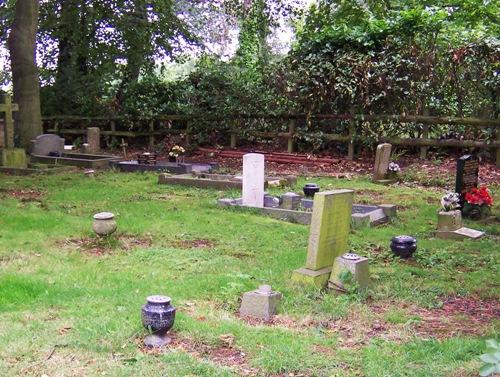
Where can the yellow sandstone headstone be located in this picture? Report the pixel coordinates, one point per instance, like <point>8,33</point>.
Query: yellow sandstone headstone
<point>330,225</point>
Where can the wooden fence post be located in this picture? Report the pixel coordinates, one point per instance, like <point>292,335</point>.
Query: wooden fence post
<point>291,130</point>
<point>151,135</point>
<point>112,125</point>
<point>188,133</point>
<point>425,135</point>
<point>236,126</point>
<point>352,132</point>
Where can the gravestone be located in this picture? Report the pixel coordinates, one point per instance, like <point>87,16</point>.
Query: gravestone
<point>47,144</point>
<point>330,225</point>
<point>253,180</point>
<point>262,303</point>
<point>291,201</point>
<point>450,227</point>
<point>93,140</point>
<point>356,265</point>
<point>467,175</point>
<point>11,157</point>
<point>382,159</point>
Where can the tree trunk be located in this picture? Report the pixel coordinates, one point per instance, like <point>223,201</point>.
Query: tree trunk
<point>26,86</point>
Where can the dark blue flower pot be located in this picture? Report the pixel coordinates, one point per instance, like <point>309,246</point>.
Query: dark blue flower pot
<point>158,316</point>
<point>403,246</point>
<point>310,189</point>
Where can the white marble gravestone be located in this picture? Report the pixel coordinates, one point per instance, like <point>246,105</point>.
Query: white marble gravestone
<point>253,180</point>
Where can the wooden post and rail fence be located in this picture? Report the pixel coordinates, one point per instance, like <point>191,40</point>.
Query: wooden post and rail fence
<point>156,126</point>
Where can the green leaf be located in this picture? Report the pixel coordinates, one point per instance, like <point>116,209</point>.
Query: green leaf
<point>486,370</point>
<point>489,358</point>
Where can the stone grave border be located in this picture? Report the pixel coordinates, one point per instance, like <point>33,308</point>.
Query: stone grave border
<point>217,181</point>
<point>363,215</point>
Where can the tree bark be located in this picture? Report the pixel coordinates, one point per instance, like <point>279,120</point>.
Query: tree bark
<point>26,85</point>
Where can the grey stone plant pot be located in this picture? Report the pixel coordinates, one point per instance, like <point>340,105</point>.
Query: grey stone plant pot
<point>449,220</point>
<point>104,224</point>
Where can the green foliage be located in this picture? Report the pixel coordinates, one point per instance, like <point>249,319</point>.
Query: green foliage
<point>491,359</point>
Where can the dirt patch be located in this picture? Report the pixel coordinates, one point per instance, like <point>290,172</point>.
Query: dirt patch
<point>193,244</point>
<point>99,246</point>
<point>224,353</point>
<point>23,195</point>
<point>457,316</point>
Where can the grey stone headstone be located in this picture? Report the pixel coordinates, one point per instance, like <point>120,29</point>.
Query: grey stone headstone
<point>382,159</point>
<point>47,144</point>
<point>290,200</point>
<point>93,140</point>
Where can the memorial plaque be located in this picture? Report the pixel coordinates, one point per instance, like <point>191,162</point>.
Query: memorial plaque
<point>467,175</point>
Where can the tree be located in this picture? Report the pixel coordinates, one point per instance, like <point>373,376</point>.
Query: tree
<point>26,86</point>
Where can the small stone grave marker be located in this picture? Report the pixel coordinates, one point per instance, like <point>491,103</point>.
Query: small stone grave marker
<point>354,264</point>
<point>253,180</point>
<point>330,225</point>
<point>382,159</point>
<point>262,303</point>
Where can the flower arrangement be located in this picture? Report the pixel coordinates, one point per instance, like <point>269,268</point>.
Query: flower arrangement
<point>393,168</point>
<point>479,196</point>
<point>176,151</point>
<point>478,202</point>
<point>450,202</point>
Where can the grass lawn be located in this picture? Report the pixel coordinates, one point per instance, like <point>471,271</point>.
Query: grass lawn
<point>70,303</point>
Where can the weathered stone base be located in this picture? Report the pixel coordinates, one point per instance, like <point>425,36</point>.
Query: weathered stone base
<point>307,276</point>
<point>14,158</point>
<point>459,234</point>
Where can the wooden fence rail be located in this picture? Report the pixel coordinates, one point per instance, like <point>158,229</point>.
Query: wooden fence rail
<point>157,127</point>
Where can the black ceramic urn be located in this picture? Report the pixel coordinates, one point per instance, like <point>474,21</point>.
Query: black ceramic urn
<point>403,246</point>
<point>158,316</point>
<point>310,189</point>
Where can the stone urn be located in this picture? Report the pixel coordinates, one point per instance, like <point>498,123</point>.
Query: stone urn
<point>449,220</point>
<point>158,316</point>
<point>403,246</point>
<point>310,189</point>
<point>104,224</point>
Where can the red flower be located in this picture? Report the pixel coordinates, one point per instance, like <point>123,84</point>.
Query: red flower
<point>479,196</point>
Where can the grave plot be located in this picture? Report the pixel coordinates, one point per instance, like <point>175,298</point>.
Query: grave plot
<point>291,206</point>
<point>143,164</point>
<point>219,181</point>
<point>49,149</point>
<point>301,211</point>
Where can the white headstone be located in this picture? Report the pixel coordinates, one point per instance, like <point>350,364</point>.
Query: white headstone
<point>253,180</point>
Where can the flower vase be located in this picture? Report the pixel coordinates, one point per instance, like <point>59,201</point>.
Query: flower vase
<point>172,159</point>
<point>476,211</point>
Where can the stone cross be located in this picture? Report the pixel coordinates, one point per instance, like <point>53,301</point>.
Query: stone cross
<point>382,159</point>
<point>328,237</point>
<point>253,180</point>
<point>8,108</point>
